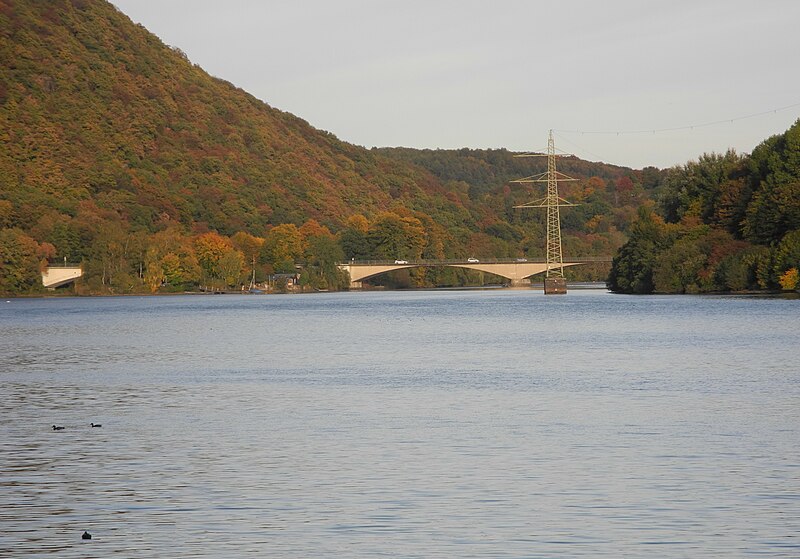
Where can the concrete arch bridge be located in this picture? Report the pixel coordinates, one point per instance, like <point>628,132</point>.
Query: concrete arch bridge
<point>55,275</point>
<point>517,271</point>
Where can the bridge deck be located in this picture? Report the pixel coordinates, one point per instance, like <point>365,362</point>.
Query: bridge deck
<point>517,270</point>
<point>55,276</point>
<point>447,262</point>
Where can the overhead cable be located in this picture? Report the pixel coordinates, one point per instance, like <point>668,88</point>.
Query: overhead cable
<point>676,128</point>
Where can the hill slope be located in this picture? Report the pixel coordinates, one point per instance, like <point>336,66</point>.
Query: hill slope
<point>109,137</point>
<point>96,108</point>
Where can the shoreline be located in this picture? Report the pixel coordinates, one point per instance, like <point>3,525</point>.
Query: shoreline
<point>578,286</point>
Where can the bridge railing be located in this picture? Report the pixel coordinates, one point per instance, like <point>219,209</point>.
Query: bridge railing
<point>426,262</point>
<point>63,265</point>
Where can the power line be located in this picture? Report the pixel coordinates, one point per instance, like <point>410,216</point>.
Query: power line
<point>581,148</point>
<point>676,128</point>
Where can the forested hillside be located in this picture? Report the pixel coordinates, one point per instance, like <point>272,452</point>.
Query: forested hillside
<point>120,154</point>
<point>606,196</point>
<point>723,223</point>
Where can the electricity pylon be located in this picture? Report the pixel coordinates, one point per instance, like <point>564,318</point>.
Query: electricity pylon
<point>554,276</point>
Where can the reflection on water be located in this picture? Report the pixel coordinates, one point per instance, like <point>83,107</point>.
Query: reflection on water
<point>419,424</point>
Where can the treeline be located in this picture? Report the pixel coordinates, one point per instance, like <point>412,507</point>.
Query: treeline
<point>116,261</point>
<point>123,254</point>
<point>722,223</point>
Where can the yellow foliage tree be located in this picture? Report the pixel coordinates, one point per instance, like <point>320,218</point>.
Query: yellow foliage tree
<point>210,248</point>
<point>283,245</point>
<point>789,279</point>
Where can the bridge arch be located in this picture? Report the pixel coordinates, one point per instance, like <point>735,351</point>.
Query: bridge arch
<point>517,272</point>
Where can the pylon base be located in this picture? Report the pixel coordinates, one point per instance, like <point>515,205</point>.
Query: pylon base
<point>555,286</point>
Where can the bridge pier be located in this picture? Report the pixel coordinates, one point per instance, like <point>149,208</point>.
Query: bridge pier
<point>555,286</point>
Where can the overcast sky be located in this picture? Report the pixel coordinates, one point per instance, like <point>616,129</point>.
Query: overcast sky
<point>501,73</point>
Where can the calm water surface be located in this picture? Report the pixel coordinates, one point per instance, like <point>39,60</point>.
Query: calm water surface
<point>497,423</point>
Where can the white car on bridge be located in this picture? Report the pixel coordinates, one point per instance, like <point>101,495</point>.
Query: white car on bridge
<point>473,260</point>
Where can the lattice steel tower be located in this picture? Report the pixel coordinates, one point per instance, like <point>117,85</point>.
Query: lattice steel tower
<point>554,276</point>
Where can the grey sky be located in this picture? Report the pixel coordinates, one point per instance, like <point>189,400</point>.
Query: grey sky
<point>501,73</point>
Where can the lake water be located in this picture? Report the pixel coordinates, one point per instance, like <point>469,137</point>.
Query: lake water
<point>475,423</point>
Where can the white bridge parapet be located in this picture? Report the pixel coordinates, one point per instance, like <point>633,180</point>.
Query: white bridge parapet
<point>55,276</point>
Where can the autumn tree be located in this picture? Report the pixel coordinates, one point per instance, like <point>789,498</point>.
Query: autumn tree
<point>231,267</point>
<point>592,185</point>
<point>312,228</point>
<point>170,261</point>
<point>353,238</point>
<point>212,251</point>
<point>633,267</point>
<point>623,188</point>
<point>695,188</point>
<point>19,262</point>
<point>787,253</point>
<point>250,247</point>
<point>283,246</point>
<point>790,279</point>
<point>392,236</point>
<point>108,266</point>
<point>321,270</point>
<point>734,274</point>
<point>773,211</point>
<point>154,274</point>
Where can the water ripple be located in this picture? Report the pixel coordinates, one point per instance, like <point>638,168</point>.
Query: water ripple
<point>418,424</point>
